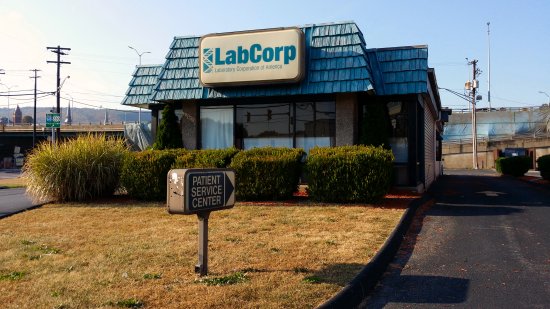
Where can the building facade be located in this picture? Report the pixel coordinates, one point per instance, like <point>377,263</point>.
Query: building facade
<point>298,87</point>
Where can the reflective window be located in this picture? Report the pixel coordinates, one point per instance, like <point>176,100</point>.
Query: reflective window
<point>315,124</point>
<point>264,125</point>
<point>301,125</point>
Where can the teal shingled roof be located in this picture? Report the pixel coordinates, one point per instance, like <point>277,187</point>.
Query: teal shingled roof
<point>141,85</point>
<point>335,62</point>
<point>399,70</point>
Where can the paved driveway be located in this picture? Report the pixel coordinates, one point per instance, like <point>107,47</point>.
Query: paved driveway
<point>484,244</point>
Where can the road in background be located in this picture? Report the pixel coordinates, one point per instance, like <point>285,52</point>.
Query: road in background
<point>12,200</point>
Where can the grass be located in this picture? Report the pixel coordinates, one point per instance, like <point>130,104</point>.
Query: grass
<point>135,255</point>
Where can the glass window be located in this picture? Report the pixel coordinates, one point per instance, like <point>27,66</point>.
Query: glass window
<point>261,125</point>
<point>315,124</point>
<point>303,125</point>
<point>398,141</point>
<point>216,127</point>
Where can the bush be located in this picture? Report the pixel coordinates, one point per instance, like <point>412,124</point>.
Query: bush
<point>79,169</point>
<point>515,166</point>
<point>543,163</point>
<point>144,173</point>
<point>169,134</point>
<point>267,173</point>
<point>349,173</point>
<point>208,158</point>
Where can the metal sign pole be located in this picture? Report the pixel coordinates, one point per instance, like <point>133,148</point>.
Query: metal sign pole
<point>202,267</point>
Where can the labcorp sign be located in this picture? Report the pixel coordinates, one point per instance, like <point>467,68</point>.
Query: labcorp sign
<point>254,57</point>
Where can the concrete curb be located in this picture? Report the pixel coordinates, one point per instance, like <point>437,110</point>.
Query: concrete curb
<point>5,215</point>
<point>355,292</point>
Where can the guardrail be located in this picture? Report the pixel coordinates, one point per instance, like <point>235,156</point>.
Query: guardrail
<point>80,127</point>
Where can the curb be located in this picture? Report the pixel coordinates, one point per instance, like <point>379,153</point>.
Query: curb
<point>355,292</point>
<point>3,216</point>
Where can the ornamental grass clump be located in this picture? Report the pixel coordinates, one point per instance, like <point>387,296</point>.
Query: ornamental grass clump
<point>80,169</point>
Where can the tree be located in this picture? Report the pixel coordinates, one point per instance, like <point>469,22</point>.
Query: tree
<point>169,134</point>
<point>27,119</point>
<point>376,126</point>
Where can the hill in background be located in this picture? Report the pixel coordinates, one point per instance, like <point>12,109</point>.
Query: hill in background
<point>83,115</point>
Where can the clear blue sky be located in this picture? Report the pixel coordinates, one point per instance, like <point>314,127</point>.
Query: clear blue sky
<point>99,32</point>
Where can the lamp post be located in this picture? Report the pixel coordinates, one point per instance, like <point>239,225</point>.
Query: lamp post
<point>138,53</point>
<point>546,94</point>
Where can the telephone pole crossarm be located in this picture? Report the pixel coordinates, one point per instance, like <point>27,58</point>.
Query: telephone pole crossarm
<point>59,51</point>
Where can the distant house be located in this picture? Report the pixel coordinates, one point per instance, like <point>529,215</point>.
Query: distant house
<point>297,87</point>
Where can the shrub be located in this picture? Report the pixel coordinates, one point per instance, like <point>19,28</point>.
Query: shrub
<point>169,134</point>
<point>544,166</point>
<point>79,169</point>
<point>349,173</point>
<point>208,158</point>
<point>267,173</point>
<point>144,173</point>
<point>515,166</point>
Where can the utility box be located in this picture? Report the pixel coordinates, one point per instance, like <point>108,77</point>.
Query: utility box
<point>197,190</point>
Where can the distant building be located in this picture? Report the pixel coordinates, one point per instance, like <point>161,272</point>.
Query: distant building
<point>69,119</point>
<point>17,116</point>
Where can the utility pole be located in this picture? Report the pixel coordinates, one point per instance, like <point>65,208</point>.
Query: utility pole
<point>36,77</point>
<point>489,65</point>
<point>59,51</point>
<point>474,85</point>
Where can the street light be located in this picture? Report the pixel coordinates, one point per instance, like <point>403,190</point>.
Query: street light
<point>138,53</point>
<point>546,94</point>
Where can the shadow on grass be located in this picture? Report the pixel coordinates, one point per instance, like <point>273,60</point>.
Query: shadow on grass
<point>339,274</point>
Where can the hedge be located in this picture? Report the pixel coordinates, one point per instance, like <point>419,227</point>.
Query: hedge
<point>349,173</point>
<point>208,158</point>
<point>143,174</point>
<point>543,163</point>
<point>515,166</point>
<point>268,173</point>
